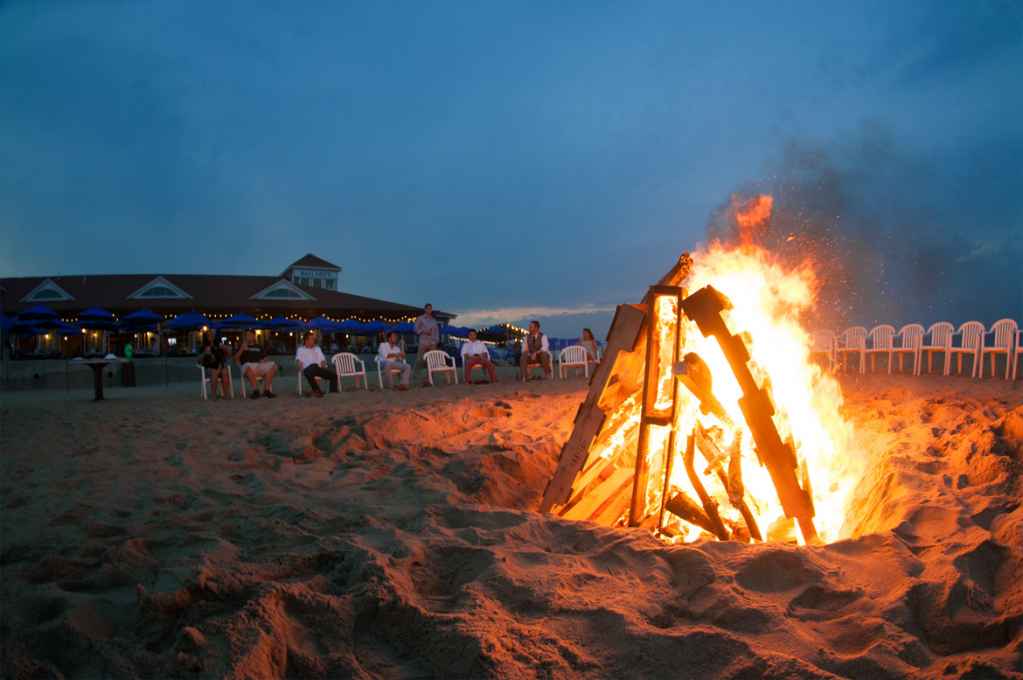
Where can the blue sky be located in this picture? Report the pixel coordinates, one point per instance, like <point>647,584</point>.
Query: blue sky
<point>514,156</point>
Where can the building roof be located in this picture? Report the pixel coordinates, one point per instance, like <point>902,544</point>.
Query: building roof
<point>310,260</point>
<point>208,292</point>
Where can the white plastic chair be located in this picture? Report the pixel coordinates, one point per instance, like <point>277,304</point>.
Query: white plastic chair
<point>1017,353</point>
<point>380,370</point>
<point>573,356</point>
<point>347,365</point>
<point>911,339</point>
<point>972,339</point>
<point>530,367</point>
<point>301,367</point>
<point>882,341</point>
<point>439,361</point>
<point>941,341</point>
<point>1005,331</point>
<point>206,380</point>
<point>242,383</point>
<point>854,341</point>
<point>824,342</point>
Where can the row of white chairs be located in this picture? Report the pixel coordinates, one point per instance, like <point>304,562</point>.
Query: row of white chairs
<point>1004,337</point>
<point>348,365</point>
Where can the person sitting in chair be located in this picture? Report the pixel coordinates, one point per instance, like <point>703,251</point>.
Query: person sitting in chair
<point>474,353</point>
<point>590,344</point>
<point>313,364</point>
<point>393,357</point>
<point>254,359</point>
<point>214,358</point>
<point>535,350</point>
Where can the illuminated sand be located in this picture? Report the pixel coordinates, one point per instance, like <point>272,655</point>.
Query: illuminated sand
<point>393,536</point>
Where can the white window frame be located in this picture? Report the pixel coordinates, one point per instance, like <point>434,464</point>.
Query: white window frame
<point>298,293</point>
<point>48,285</point>
<point>159,281</point>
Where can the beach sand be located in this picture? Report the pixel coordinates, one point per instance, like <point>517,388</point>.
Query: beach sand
<point>395,535</point>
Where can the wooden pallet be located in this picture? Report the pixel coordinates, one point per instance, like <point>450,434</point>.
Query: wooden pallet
<point>591,487</point>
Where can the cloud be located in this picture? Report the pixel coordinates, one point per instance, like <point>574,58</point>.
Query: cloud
<point>486,317</point>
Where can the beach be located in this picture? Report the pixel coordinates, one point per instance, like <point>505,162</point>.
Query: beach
<point>395,535</point>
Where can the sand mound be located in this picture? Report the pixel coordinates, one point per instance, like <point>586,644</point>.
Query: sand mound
<point>395,536</point>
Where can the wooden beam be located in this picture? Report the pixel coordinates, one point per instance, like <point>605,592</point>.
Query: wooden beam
<point>625,329</point>
<point>608,490</point>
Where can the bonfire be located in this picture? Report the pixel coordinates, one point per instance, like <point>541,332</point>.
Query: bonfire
<point>709,415</point>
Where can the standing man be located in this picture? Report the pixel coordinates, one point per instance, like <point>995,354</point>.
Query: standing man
<point>392,357</point>
<point>312,363</point>
<point>428,331</point>
<point>475,353</point>
<point>535,350</point>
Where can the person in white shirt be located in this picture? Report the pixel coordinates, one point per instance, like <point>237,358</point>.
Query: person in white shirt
<point>312,363</point>
<point>393,357</point>
<point>474,353</point>
<point>535,350</point>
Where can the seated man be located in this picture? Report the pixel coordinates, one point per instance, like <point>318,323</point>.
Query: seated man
<point>392,357</point>
<point>313,364</point>
<point>535,350</point>
<point>475,353</point>
<point>255,362</point>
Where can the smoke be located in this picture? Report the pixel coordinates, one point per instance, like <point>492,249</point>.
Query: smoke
<point>889,238</point>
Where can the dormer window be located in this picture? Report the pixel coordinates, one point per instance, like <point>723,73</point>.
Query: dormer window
<point>47,291</point>
<point>159,289</point>
<point>282,290</point>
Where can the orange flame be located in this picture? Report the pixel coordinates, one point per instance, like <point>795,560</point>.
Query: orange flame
<point>752,216</point>
<point>767,303</point>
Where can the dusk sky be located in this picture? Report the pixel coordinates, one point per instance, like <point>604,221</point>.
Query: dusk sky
<point>535,158</point>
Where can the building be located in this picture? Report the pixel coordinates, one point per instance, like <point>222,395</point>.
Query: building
<point>307,288</point>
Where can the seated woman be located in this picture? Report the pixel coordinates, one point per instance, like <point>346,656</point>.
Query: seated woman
<point>589,342</point>
<point>213,358</point>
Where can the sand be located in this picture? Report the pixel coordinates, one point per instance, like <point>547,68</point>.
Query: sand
<point>395,535</point>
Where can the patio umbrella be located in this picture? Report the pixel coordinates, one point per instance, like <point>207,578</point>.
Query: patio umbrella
<point>323,325</point>
<point>142,318</point>
<point>240,322</point>
<point>36,313</point>
<point>97,314</point>
<point>6,322</point>
<point>188,321</point>
<point>97,319</point>
<point>375,326</point>
<point>404,327</point>
<point>281,324</point>
<point>352,326</point>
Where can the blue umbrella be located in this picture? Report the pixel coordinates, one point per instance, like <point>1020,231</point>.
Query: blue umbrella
<point>36,312</point>
<point>352,326</point>
<point>404,327</point>
<point>6,322</point>
<point>240,321</point>
<point>282,324</point>
<point>97,314</point>
<point>375,326</point>
<point>97,319</point>
<point>323,325</point>
<point>142,317</point>
<point>189,321</point>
